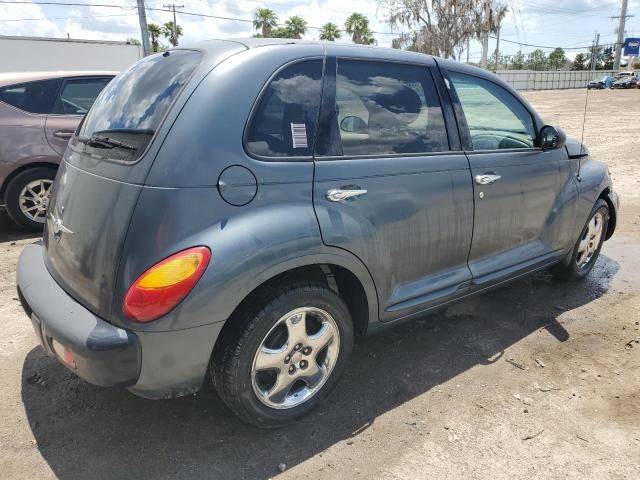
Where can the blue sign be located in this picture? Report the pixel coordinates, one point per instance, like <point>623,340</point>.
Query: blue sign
<point>632,47</point>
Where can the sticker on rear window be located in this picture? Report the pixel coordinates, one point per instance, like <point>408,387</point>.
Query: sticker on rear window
<point>299,135</point>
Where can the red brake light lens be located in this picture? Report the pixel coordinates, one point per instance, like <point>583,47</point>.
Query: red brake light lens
<point>158,290</point>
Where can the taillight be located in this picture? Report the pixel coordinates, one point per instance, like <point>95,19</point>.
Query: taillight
<point>158,290</point>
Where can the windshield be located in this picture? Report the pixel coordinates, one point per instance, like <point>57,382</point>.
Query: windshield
<point>130,108</point>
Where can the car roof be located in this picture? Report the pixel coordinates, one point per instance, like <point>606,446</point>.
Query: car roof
<point>11,78</point>
<point>384,52</point>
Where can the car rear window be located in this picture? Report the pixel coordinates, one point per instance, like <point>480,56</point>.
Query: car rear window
<point>127,113</point>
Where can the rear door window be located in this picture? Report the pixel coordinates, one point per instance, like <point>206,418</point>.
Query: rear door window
<point>388,108</point>
<point>32,97</point>
<point>284,123</point>
<point>78,94</point>
<point>129,110</point>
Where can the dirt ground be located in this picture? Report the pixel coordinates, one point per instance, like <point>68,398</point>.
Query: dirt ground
<point>537,380</point>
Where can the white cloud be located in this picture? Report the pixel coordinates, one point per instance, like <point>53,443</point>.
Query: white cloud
<point>14,24</point>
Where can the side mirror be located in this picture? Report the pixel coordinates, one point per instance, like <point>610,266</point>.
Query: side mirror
<point>353,124</point>
<point>552,138</point>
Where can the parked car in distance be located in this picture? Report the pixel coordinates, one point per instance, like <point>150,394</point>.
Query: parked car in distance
<point>246,208</point>
<point>39,111</point>
<point>625,82</point>
<point>604,82</point>
<point>627,73</point>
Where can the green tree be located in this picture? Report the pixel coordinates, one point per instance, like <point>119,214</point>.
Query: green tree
<point>265,20</point>
<point>133,41</point>
<point>280,32</point>
<point>168,32</point>
<point>578,62</point>
<point>537,60</point>
<point>357,25</point>
<point>608,59</point>
<point>518,61</point>
<point>330,32</point>
<point>296,26</point>
<point>556,59</point>
<point>155,31</point>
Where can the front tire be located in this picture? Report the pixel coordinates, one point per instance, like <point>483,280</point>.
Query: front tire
<point>27,197</point>
<point>283,353</point>
<point>587,248</point>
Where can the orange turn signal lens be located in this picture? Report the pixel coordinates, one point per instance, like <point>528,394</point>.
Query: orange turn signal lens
<point>158,290</point>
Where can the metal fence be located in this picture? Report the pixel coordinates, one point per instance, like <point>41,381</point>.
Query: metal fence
<point>550,80</point>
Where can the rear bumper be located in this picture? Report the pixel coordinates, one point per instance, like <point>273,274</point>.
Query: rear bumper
<point>153,365</point>
<point>103,354</point>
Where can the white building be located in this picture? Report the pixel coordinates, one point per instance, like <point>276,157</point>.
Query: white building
<point>27,54</point>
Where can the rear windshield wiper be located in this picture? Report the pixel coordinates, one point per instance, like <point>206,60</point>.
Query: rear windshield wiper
<point>105,142</point>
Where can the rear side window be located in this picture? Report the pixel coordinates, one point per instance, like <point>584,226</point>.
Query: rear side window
<point>388,108</point>
<point>78,94</point>
<point>496,119</point>
<point>284,123</point>
<point>127,113</point>
<point>32,97</point>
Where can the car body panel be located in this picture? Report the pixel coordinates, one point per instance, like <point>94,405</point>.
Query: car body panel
<point>59,129</point>
<point>96,213</point>
<point>22,138</point>
<point>412,203</point>
<point>524,214</point>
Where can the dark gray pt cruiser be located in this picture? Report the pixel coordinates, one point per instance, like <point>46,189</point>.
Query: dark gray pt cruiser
<point>248,207</point>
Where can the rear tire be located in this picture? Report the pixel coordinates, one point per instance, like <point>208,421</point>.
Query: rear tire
<point>27,197</point>
<point>268,367</point>
<point>580,262</point>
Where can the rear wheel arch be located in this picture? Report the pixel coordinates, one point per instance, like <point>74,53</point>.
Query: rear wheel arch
<point>338,278</point>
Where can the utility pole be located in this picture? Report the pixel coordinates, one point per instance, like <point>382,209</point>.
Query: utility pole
<point>594,49</point>
<point>144,31</point>
<point>173,7</point>
<point>468,45</point>
<point>623,17</point>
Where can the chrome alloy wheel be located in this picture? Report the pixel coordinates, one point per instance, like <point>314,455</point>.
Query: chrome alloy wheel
<point>34,199</point>
<point>590,241</point>
<point>295,358</point>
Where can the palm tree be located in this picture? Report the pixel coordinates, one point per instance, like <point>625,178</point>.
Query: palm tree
<point>265,19</point>
<point>155,31</point>
<point>296,26</point>
<point>330,32</point>
<point>367,38</point>
<point>357,25</point>
<point>167,31</point>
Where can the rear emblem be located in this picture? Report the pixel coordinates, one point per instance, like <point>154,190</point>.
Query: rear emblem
<point>56,225</point>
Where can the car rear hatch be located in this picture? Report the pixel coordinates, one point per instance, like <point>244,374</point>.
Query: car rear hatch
<point>105,167</point>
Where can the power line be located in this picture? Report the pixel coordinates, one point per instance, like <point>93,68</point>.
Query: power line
<point>245,20</point>
<point>69,4</point>
<point>66,18</point>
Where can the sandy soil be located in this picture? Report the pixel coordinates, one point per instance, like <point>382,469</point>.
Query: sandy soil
<point>537,380</point>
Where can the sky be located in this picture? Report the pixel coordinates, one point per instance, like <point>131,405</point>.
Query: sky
<point>570,24</point>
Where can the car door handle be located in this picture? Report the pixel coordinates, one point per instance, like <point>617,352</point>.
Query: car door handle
<point>337,194</point>
<point>63,134</point>
<point>487,178</point>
